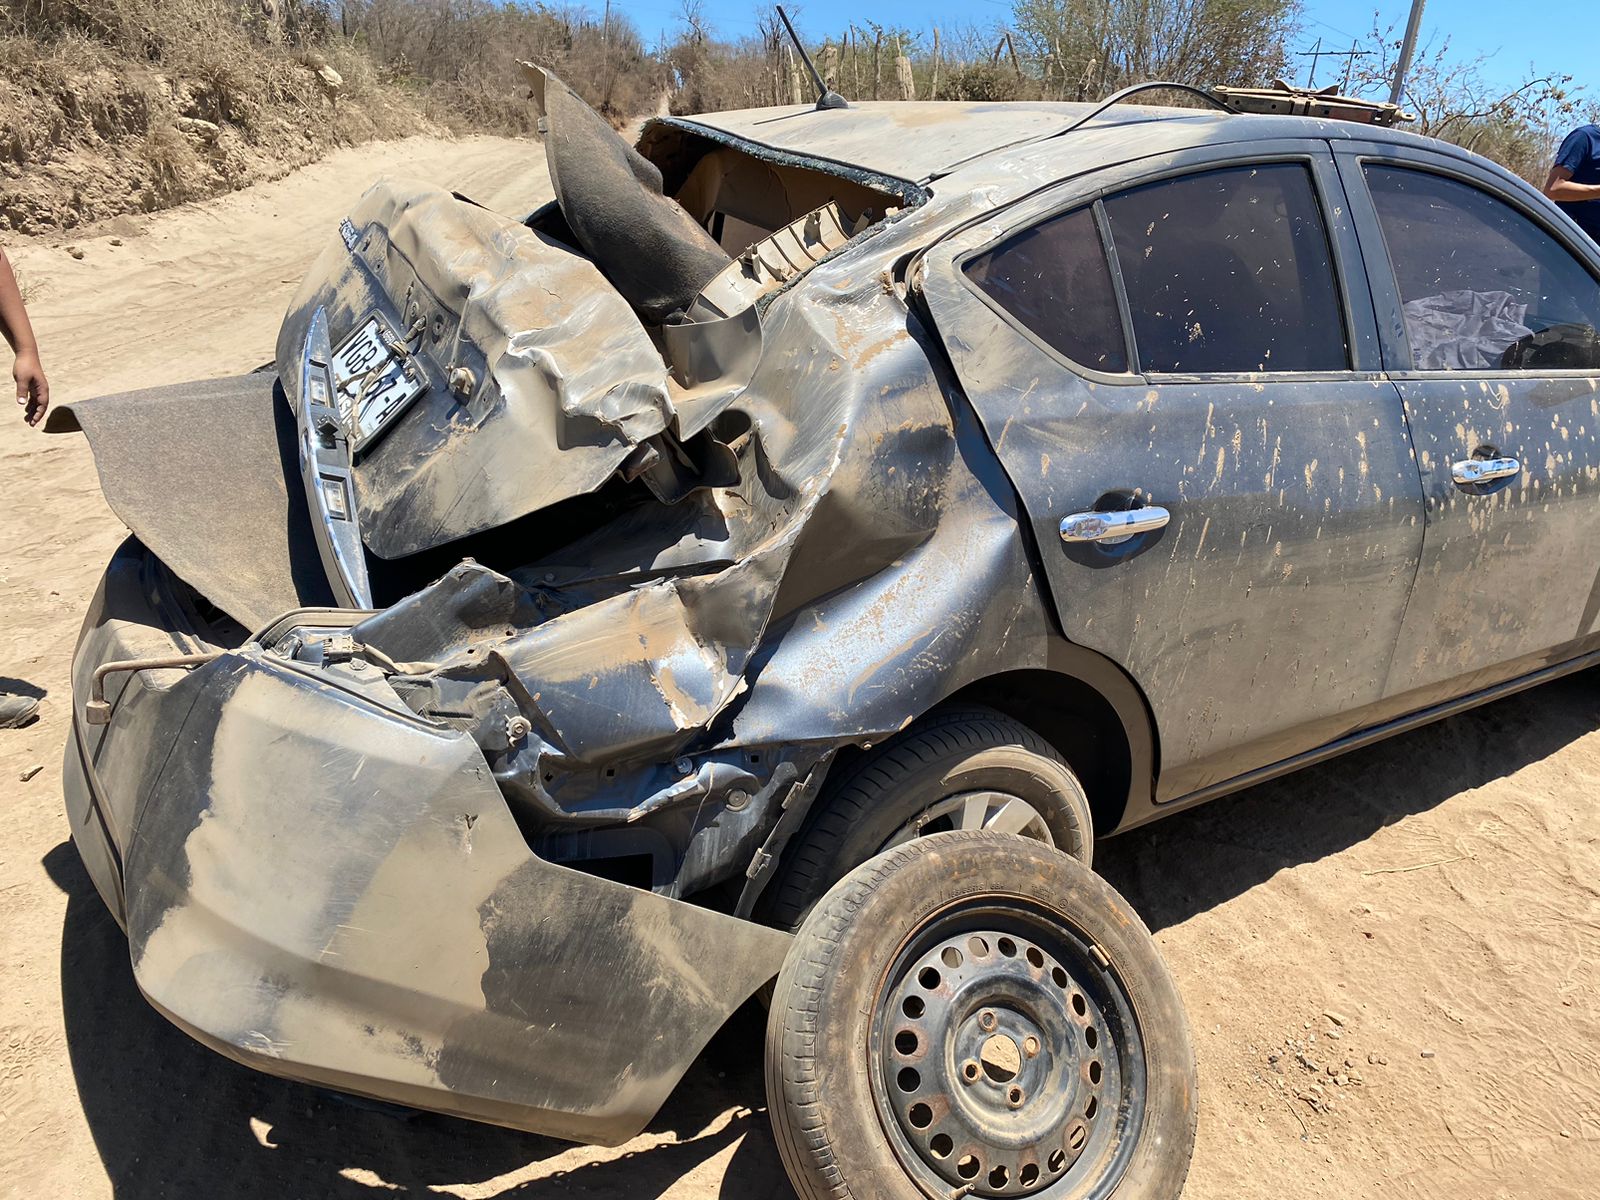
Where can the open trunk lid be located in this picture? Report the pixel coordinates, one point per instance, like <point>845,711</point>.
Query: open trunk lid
<point>538,378</point>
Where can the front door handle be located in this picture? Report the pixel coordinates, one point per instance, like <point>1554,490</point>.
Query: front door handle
<point>1483,470</point>
<point>1109,528</point>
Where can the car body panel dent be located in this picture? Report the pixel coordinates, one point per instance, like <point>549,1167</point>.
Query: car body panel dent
<point>400,939</point>
<point>712,560</point>
<point>562,372</point>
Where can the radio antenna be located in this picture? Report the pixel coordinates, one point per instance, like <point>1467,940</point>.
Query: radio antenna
<point>826,96</point>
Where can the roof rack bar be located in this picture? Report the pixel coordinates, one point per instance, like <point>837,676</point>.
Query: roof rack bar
<point>1152,86</point>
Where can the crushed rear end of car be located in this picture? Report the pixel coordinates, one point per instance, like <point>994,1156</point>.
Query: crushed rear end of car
<point>437,733</point>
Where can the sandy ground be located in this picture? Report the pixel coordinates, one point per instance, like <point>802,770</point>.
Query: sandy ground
<point>1420,922</point>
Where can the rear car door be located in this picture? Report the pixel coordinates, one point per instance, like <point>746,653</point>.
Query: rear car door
<point>1488,304</point>
<point>1177,363</point>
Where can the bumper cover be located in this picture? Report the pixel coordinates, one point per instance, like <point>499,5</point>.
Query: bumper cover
<point>322,886</point>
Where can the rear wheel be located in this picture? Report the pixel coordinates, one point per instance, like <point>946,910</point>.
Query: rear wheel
<point>973,1013</point>
<point>963,768</point>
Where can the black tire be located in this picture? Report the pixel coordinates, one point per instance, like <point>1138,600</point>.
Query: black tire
<point>946,753</point>
<point>833,1048</point>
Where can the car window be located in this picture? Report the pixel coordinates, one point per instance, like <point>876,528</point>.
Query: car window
<point>1482,287</point>
<point>1054,278</point>
<point>1229,270</point>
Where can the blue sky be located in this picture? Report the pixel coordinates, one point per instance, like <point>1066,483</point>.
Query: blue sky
<point>1554,35</point>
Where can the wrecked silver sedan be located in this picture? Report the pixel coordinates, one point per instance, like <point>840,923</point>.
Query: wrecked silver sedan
<point>781,557</point>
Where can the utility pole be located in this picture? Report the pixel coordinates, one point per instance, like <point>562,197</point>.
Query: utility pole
<point>1407,49</point>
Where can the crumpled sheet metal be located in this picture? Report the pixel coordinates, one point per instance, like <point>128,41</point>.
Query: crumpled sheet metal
<point>400,940</point>
<point>567,380</point>
<point>868,563</point>
<point>620,678</point>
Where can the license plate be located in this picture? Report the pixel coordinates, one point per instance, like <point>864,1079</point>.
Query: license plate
<point>373,384</point>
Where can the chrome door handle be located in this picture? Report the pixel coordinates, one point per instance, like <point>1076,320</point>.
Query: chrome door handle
<point>1483,470</point>
<point>1109,528</point>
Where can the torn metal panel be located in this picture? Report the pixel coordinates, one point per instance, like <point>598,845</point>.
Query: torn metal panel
<point>205,475</point>
<point>662,672</point>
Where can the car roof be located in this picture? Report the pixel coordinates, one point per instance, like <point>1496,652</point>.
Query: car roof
<point>918,140</point>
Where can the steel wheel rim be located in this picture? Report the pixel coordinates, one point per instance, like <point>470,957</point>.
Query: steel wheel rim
<point>1049,1117</point>
<point>992,812</point>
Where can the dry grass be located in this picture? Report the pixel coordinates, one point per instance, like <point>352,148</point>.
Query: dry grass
<point>101,103</point>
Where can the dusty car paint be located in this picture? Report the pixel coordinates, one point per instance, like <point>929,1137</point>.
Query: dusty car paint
<point>778,538</point>
<point>1311,477</point>
<point>399,940</point>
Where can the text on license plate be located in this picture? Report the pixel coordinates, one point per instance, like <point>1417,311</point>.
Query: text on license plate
<point>373,384</point>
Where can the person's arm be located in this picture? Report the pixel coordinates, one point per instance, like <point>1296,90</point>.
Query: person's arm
<point>1558,185</point>
<point>33,389</point>
<point>1575,150</point>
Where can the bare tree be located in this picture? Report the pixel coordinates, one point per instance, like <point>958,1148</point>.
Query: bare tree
<point>1454,99</point>
<point>1083,48</point>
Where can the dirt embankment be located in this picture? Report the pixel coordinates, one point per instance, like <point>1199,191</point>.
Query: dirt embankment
<point>109,107</point>
<point>1391,962</point>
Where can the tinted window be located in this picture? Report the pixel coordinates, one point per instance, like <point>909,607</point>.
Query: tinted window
<point>1229,270</point>
<point>1055,280</point>
<point>1482,286</point>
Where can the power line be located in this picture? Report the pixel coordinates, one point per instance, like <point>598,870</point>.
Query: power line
<point>1333,28</point>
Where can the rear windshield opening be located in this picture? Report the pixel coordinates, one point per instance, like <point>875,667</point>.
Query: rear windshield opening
<point>741,196</point>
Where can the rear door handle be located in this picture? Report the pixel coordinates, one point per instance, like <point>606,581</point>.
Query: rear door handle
<point>1483,470</point>
<point>1109,528</point>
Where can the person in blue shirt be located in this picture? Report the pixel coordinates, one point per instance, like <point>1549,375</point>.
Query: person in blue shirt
<point>1574,180</point>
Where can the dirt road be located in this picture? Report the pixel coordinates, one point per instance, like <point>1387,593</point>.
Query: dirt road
<point>1390,961</point>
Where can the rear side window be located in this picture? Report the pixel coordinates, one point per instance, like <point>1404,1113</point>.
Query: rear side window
<point>1055,280</point>
<point>1229,271</point>
<point>1482,287</point>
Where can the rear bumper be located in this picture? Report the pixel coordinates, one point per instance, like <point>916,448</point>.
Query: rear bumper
<point>139,610</point>
<point>319,884</point>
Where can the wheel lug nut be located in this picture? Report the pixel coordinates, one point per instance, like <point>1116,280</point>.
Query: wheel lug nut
<point>1030,1046</point>
<point>986,1020</point>
<point>969,1071</point>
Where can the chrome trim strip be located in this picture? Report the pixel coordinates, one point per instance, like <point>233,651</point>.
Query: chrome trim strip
<point>325,463</point>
